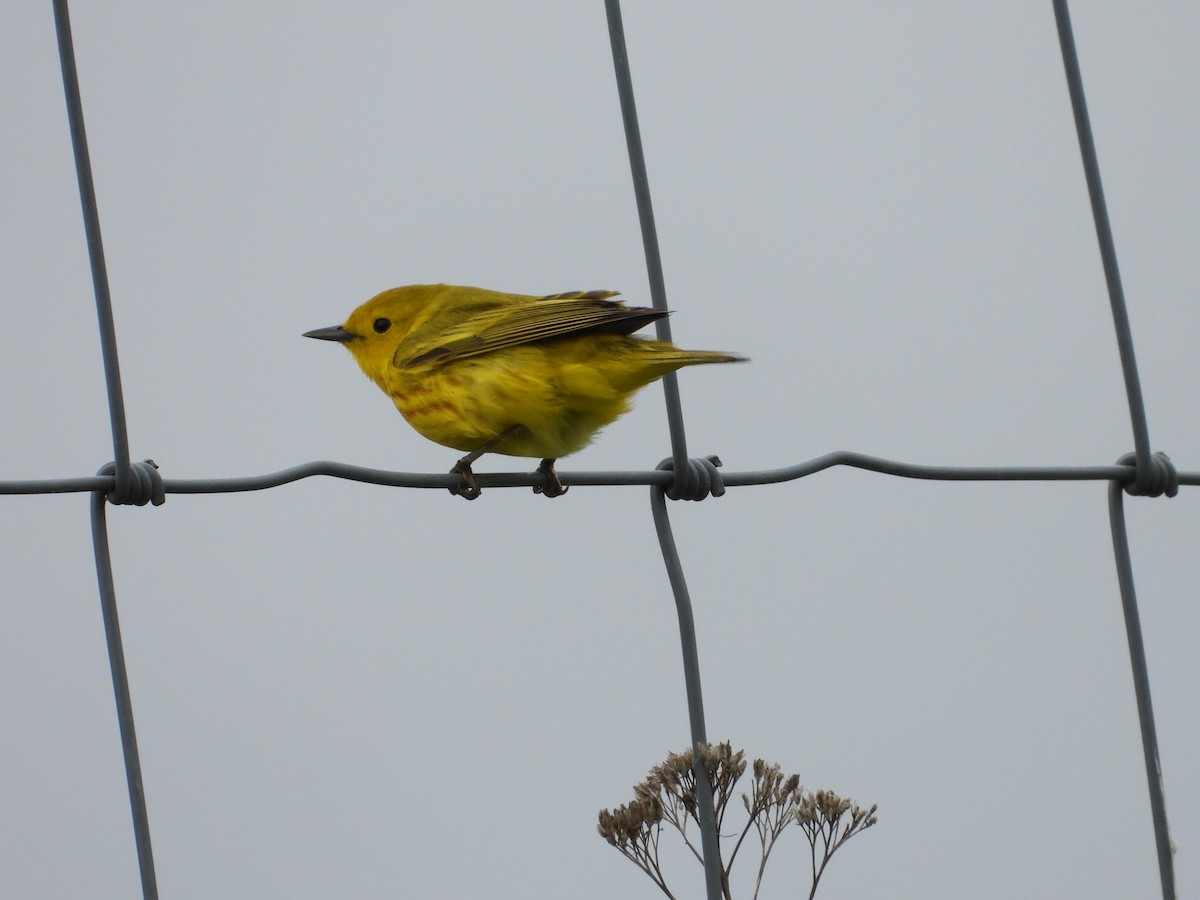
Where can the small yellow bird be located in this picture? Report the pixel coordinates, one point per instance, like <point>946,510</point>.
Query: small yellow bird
<point>487,372</point>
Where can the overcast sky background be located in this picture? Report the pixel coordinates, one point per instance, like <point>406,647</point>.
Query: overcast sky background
<point>347,690</point>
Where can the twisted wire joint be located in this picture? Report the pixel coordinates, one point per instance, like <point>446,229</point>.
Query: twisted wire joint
<point>1162,477</point>
<point>697,481</point>
<point>140,484</point>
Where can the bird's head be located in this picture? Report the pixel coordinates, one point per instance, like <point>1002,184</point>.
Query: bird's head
<point>374,330</point>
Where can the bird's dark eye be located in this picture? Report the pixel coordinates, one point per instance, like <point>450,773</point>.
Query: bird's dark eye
<point>382,325</point>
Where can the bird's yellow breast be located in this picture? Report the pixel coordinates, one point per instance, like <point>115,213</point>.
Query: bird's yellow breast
<point>559,405</point>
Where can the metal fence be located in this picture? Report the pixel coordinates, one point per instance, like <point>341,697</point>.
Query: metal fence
<point>126,482</point>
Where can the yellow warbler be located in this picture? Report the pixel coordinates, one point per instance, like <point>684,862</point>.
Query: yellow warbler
<point>487,372</point>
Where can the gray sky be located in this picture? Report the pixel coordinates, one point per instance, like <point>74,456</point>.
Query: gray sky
<point>344,690</point>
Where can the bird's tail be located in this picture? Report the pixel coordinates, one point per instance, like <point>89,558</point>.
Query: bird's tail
<point>699,357</point>
<point>660,358</point>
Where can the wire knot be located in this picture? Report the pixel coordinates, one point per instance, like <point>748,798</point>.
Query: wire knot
<point>697,481</point>
<point>1161,477</point>
<point>136,486</point>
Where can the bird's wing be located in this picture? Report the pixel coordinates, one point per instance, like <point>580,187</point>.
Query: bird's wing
<point>558,315</point>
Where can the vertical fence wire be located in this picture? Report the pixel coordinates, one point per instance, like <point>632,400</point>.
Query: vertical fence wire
<point>713,865</point>
<point>641,190</point>
<point>1141,690</point>
<point>120,680</point>
<point>124,476</point>
<point>1108,250</point>
<point>91,225</point>
<point>1152,474</point>
<point>691,661</point>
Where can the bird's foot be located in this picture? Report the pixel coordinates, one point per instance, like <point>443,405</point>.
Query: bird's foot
<point>553,486</point>
<point>469,488</point>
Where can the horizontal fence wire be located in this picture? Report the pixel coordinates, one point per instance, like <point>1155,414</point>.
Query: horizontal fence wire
<point>122,482</point>
<point>1120,474</point>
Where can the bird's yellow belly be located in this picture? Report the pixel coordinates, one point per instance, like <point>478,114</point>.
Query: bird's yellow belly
<point>473,402</point>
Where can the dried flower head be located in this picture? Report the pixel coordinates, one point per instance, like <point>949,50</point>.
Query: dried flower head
<point>668,797</point>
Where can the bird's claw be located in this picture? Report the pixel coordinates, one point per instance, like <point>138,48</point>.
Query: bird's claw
<point>553,486</point>
<point>469,488</point>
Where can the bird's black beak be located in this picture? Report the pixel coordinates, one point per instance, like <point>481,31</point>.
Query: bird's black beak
<point>334,333</point>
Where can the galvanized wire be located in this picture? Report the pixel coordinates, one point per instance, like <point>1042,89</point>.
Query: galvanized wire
<point>1154,473</point>
<point>659,478</point>
<point>125,482</point>
<point>120,680</point>
<point>713,866</point>
<point>1108,250</point>
<point>1141,473</point>
<point>91,226</point>
<point>1141,690</point>
<point>641,190</point>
